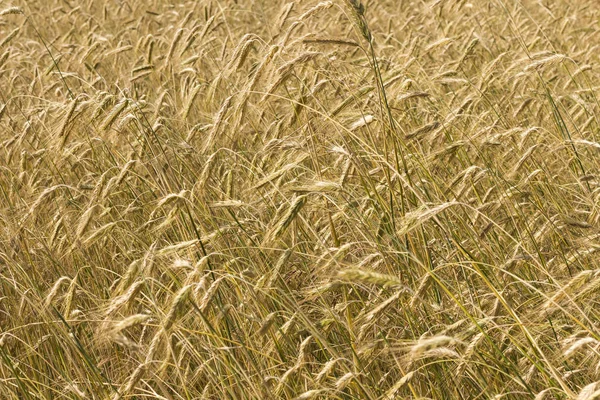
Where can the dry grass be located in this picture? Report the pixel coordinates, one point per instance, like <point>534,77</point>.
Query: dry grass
<point>280,199</point>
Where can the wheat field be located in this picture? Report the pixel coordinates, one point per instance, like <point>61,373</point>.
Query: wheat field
<point>246,199</point>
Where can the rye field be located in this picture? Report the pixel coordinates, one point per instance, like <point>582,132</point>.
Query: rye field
<point>276,199</point>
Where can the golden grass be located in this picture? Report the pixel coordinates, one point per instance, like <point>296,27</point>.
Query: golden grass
<point>299,199</point>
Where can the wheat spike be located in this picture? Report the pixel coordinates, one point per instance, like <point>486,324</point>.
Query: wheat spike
<point>286,219</point>
<point>12,10</point>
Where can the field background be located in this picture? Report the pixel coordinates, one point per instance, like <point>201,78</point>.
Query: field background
<point>269,199</point>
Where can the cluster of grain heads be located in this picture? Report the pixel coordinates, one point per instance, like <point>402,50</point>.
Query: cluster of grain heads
<point>310,200</point>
